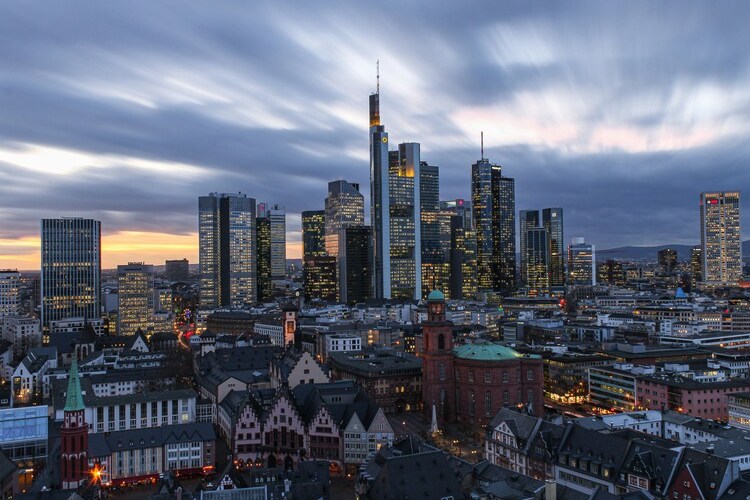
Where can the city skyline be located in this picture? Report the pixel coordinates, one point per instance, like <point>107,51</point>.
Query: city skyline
<point>129,126</point>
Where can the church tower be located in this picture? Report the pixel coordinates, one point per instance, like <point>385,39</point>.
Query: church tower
<point>438,387</point>
<point>290,313</point>
<point>74,434</point>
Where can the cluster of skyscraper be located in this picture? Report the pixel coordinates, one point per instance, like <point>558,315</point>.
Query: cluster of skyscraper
<point>336,247</point>
<point>421,243</point>
<point>415,243</point>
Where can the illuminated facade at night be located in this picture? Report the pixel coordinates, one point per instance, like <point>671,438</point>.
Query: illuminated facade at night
<point>552,221</point>
<point>263,250</point>
<point>536,272</point>
<point>71,269</point>
<point>527,219</point>
<point>135,298</point>
<point>493,199</point>
<point>345,207</point>
<point>581,263</point>
<point>542,250</point>
<point>395,213</point>
<point>721,243</point>
<point>320,280</point>
<point>318,269</point>
<point>435,258</point>
<point>459,241</point>
<point>227,250</point>
<point>10,300</point>
<point>313,233</point>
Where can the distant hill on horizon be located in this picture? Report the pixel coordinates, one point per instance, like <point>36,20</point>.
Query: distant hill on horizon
<point>648,253</point>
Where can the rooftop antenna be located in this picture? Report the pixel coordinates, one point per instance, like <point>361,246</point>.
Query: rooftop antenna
<point>482,143</point>
<point>377,87</point>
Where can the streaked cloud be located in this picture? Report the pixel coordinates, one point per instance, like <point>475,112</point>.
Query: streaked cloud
<point>128,111</point>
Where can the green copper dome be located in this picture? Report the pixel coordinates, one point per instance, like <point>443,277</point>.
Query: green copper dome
<point>436,295</point>
<point>485,352</point>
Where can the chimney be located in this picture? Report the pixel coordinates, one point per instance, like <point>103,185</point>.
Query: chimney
<point>710,449</point>
<point>550,490</point>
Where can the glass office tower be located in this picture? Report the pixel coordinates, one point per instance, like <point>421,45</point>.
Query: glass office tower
<point>71,269</point>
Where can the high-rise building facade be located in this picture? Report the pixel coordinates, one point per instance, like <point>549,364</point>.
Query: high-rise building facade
<point>135,298</point>
<point>396,220</point>
<point>354,265</point>
<point>721,243</point>
<point>10,297</point>
<point>405,221</point>
<point>318,269</point>
<point>344,207</point>
<point>581,263</point>
<point>71,269</point>
<point>527,219</point>
<point>552,221</point>
<point>276,214</point>
<point>537,261</point>
<point>227,250</point>
<point>320,278</point>
<point>542,271</point>
<point>493,201</point>
<point>696,266</point>
<point>667,259</point>
<point>313,233</point>
<point>263,266</point>
<point>435,260</point>
<point>610,272</point>
<point>458,243</point>
<point>177,270</point>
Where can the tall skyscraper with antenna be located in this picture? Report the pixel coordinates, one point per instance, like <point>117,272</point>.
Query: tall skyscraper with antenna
<point>395,212</point>
<point>493,200</point>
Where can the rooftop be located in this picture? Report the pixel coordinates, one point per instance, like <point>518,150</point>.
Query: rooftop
<point>486,352</point>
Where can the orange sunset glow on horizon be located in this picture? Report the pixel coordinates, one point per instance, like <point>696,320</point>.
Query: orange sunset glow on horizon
<point>118,248</point>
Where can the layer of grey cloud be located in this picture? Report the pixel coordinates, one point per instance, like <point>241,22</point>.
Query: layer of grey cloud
<point>271,99</point>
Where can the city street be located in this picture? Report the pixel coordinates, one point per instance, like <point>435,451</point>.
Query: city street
<point>452,438</point>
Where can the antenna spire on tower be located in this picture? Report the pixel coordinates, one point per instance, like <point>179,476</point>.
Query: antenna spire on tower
<point>377,88</point>
<point>482,143</point>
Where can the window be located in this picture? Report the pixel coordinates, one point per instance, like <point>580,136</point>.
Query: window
<point>488,403</point>
<point>441,342</point>
<point>487,377</point>
<point>530,375</point>
<point>506,398</point>
<point>441,370</point>
<point>471,376</point>
<point>458,375</point>
<point>472,403</point>
<point>505,378</point>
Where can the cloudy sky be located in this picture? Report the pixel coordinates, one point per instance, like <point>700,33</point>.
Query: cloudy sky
<point>619,112</point>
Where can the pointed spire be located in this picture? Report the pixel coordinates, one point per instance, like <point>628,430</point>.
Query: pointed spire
<point>482,144</point>
<point>377,85</point>
<point>74,397</point>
